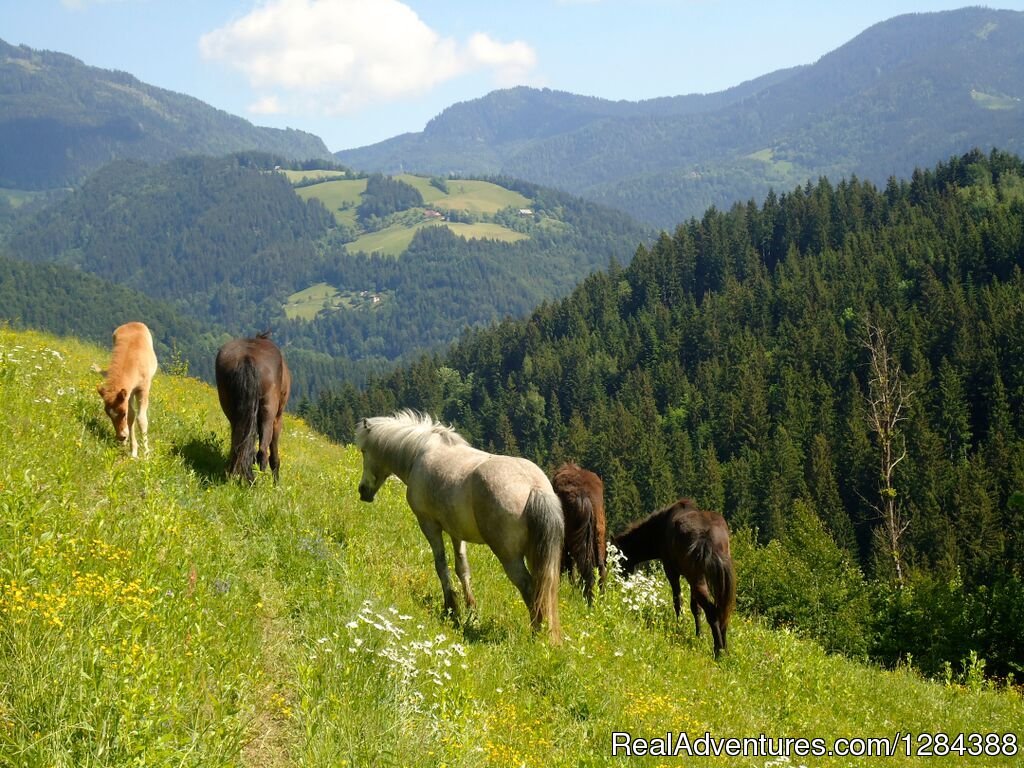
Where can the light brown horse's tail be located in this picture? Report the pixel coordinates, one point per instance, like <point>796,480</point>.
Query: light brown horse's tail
<point>719,575</point>
<point>247,390</point>
<point>546,528</point>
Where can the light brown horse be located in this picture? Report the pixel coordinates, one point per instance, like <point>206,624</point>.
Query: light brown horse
<point>692,543</point>
<point>253,383</point>
<point>582,496</point>
<point>125,391</point>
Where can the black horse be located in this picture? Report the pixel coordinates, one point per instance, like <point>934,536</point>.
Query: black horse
<point>692,543</point>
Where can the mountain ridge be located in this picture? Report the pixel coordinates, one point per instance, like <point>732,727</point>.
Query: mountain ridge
<point>60,119</point>
<point>905,92</point>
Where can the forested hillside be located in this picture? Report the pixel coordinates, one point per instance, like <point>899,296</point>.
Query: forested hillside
<point>66,301</point>
<point>217,236</point>
<point>227,242</point>
<point>899,95</point>
<point>731,361</point>
<point>61,119</point>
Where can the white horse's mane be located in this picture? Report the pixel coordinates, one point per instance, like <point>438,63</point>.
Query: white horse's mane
<point>405,435</point>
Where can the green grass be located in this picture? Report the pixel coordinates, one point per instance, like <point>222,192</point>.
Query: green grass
<point>390,241</point>
<point>394,240</point>
<point>321,297</point>
<point>308,303</point>
<point>482,198</point>
<point>339,197</point>
<point>153,614</point>
<point>994,101</point>
<point>18,197</point>
<point>767,156</point>
<point>484,230</point>
<point>297,176</point>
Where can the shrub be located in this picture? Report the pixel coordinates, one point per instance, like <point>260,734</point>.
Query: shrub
<point>805,581</point>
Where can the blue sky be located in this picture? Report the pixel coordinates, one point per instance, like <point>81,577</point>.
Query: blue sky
<point>358,71</point>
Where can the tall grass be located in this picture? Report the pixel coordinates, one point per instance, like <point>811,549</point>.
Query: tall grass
<point>153,614</point>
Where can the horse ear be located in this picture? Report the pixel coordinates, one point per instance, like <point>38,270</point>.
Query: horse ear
<point>366,424</point>
<point>122,395</point>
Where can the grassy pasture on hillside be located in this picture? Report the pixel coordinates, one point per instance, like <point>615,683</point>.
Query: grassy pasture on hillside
<point>767,156</point>
<point>307,303</point>
<point>297,176</point>
<point>334,195</point>
<point>485,230</point>
<point>995,101</point>
<point>394,240</point>
<point>18,197</point>
<point>481,197</point>
<point>153,614</point>
<point>477,197</point>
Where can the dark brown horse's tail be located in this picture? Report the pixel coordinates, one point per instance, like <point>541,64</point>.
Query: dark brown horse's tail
<point>546,528</point>
<point>719,575</point>
<point>246,386</point>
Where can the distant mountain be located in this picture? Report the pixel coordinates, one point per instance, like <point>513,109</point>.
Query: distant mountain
<point>906,92</point>
<point>61,119</point>
<point>484,135</point>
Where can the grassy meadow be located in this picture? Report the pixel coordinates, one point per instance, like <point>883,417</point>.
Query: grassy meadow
<point>395,239</point>
<point>482,198</point>
<point>153,614</point>
<point>340,196</point>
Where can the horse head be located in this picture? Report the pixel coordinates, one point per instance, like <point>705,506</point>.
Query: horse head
<point>115,403</point>
<point>375,470</point>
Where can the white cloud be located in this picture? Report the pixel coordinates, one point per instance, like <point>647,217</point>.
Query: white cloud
<point>345,54</point>
<point>267,105</point>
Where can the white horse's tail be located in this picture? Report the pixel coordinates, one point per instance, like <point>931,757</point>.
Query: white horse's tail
<point>546,526</point>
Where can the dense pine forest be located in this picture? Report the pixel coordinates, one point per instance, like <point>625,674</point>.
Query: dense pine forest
<point>837,369</point>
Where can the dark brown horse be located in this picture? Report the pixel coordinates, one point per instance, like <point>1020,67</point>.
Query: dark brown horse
<point>692,543</point>
<point>253,383</point>
<point>582,496</point>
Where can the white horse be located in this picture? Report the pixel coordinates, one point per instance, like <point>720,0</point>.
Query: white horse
<point>473,496</point>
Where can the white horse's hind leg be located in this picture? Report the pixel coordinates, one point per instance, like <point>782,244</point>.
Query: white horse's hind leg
<point>516,571</point>
<point>432,530</point>
<point>462,569</point>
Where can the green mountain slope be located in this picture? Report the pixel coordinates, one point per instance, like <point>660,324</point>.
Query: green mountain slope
<point>482,135</point>
<point>904,93</point>
<point>152,613</point>
<point>63,301</point>
<point>230,243</point>
<point>729,363</point>
<point>61,119</point>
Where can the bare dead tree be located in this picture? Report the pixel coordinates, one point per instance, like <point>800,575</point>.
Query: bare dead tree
<point>887,402</point>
